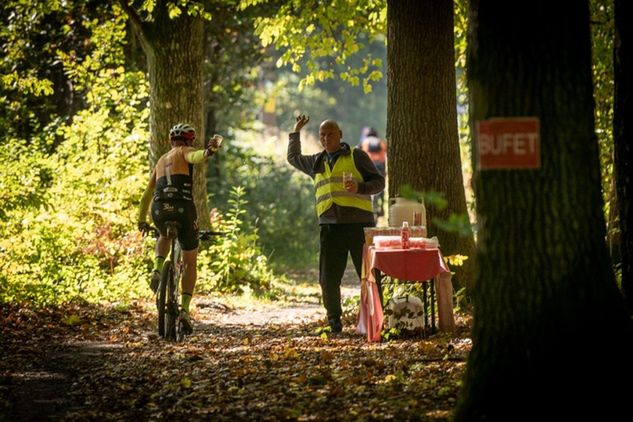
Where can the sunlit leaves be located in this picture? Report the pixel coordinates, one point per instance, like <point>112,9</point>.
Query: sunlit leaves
<point>173,10</point>
<point>311,30</point>
<point>148,5</point>
<point>26,84</point>
<point>456,260</point>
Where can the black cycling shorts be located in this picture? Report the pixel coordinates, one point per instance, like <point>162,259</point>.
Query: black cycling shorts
<point>184,212</point>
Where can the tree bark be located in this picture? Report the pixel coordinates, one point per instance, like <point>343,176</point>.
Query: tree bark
<point>175,59</point>
<point>623,138</point>
<point>422,114</point>
<point>550,332</point>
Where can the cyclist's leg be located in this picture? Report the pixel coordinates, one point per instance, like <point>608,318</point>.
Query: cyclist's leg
<point>188,238</point>
<point>189,275</point>
<point>162,249</point>
<point>162,244</point>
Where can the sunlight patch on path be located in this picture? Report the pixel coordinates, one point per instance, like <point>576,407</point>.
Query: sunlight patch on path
<point>303,308</point>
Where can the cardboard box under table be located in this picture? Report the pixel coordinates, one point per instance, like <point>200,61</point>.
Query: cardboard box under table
<point>407,266</point>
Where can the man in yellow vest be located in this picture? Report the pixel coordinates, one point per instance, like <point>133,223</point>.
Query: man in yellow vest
<point>343,206</point>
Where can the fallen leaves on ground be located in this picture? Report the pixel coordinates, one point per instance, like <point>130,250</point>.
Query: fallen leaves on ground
<point>117,368</point>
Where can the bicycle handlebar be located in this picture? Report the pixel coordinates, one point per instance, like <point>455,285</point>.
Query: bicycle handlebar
<point>202,234</point>
<point>208,234</point>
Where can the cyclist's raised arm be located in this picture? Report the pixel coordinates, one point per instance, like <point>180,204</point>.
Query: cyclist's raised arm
<point>146,199</point>
<point>194,156</point>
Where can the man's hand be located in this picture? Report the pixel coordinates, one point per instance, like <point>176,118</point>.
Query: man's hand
<point>351,186</point>
<point>143,227</point>
<point>302,120</point>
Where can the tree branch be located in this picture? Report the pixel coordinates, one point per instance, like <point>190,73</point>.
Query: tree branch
<point>140,27</point>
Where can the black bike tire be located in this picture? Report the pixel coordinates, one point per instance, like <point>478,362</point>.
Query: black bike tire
<point>172,309</point>
<point>165,275</point>
<point>178,333</point>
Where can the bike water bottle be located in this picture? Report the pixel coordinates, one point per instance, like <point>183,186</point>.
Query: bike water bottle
<point>404,235</point>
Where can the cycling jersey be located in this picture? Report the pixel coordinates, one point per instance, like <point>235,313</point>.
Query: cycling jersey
<point>174,176</point>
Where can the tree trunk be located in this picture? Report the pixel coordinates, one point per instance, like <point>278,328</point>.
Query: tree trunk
<point>551,332</point>
<point>175,59</point>
<point>422,114</point>
<point>623,137</point>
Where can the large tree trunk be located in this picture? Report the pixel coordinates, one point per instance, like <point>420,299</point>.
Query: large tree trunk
<point>175,59</point>
<point>623,139</point>
<point>551,334</point>
<point>422,114</point>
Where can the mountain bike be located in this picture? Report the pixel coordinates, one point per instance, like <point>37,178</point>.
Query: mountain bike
<point>170,326</point>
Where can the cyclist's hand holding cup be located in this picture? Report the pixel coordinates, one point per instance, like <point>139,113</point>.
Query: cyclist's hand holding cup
<point>215,143</point>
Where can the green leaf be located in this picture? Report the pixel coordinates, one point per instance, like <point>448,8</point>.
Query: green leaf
<point>173,11</point>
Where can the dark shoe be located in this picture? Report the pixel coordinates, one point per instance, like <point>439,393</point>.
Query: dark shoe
<point>154,281</point>
<point>185,319</point>
<point>336,326</point>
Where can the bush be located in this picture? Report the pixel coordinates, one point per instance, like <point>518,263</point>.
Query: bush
<point>279,204</point>
<point>234,263</point>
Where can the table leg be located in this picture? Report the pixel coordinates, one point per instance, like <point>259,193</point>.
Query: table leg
<point>445,302</point>
<point>425,307</point>
<point>433,328</point>
<point>378,275</point>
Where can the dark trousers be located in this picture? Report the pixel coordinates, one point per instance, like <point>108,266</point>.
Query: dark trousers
<point>337,240</point>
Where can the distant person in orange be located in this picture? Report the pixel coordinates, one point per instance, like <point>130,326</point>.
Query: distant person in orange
<point>376,148</point>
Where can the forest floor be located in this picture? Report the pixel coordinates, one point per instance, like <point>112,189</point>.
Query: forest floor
<point>247,360</point>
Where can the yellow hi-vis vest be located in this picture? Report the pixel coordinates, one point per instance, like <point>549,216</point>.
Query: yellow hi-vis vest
<point>331,190</point>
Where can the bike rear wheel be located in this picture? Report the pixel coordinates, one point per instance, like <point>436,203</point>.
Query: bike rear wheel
<point>172,328</point>
<point>165,277</point>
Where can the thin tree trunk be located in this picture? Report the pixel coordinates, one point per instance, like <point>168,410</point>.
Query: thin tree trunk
<point>623,139</point>
<point>550,332</point>
<point>422,114</point>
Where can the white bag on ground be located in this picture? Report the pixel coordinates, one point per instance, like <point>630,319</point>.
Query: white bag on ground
<point>405,313</point>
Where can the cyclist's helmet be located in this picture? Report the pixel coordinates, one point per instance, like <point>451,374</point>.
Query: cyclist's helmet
<point>182,131</point>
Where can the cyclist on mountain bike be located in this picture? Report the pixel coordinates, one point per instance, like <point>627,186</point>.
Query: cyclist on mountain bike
<point>170,186</point>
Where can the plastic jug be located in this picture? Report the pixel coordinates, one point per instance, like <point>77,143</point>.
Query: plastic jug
<point>403,209</point>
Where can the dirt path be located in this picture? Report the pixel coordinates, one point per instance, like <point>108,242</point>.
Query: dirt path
<point>246,361</point>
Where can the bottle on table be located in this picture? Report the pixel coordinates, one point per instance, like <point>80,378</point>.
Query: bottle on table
<point>405,234</point>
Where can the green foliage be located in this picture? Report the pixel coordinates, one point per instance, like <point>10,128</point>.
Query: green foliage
<point>69,236</point>
<point>456,223</point>
<point>232,67</point>
<point>75,241</point>
<point>25,178</point>
<point>279,204</point>
<point>603,35</point>
<point>316,30</point>
<point>177,7</point>
<point>36,92</point>
<point>334,99</point>
<point>234,263</point>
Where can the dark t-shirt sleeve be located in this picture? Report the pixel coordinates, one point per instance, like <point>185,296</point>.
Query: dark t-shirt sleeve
<point>373,181</point>
<point>305,163</point>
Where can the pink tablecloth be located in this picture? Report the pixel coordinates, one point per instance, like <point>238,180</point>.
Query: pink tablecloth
<point>415,265</point>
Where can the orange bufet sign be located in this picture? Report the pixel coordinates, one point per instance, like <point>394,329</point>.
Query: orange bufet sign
<point>508,143</point>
